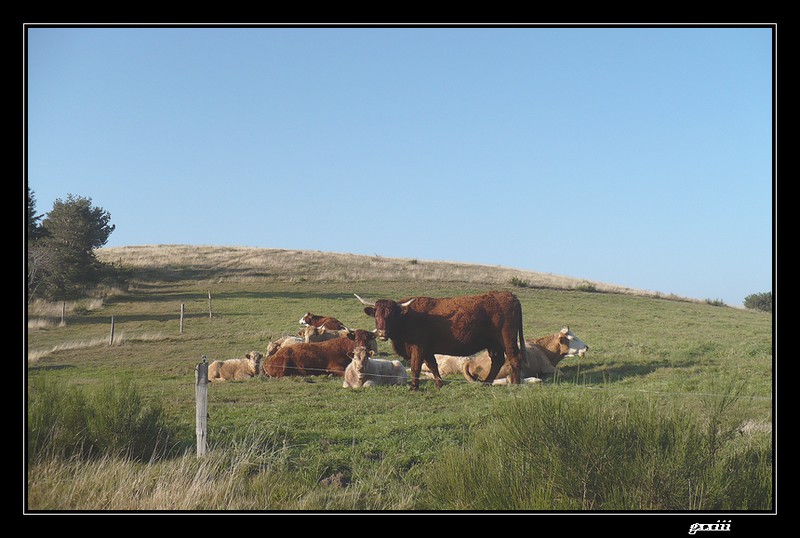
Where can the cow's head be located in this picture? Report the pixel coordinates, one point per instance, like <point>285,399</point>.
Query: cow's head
<point>362,338</point>
<point>255,358</point>
<point>576,346</point>
<point>306,320</point>
<point>360,358</point>
<point>386,313</point>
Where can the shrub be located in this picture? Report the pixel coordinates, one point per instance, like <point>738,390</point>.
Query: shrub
<point>57,421</point>
<point>519,283</point>
<point>759,301</point>
<point>587,287</point>
<point>64,422</point>
<point>592,453</point>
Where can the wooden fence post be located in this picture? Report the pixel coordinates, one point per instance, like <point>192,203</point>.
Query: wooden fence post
<point>209,303</point>
<point>183,308</point>
<point>201,406</point>
<point>111,337</point>
<point>63,313</point>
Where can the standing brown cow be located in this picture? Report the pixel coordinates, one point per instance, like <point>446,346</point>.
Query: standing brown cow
<point>422,326</point>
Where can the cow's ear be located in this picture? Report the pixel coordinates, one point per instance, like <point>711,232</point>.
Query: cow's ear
<point>370,311</point>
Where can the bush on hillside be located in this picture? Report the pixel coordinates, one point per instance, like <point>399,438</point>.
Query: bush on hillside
<point>759,301</point>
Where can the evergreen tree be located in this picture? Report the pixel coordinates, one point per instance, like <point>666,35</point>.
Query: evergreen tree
<point>61,259</point>
<point>34,227</point>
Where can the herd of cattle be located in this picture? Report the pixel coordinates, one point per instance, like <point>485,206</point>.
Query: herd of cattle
<point>479,336</point>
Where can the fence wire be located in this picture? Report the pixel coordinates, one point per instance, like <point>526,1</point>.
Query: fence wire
<point>453,380</point>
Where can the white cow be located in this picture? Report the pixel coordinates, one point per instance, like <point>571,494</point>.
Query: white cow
<point>364,371</point>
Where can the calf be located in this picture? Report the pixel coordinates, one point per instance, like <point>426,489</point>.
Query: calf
<point>235,369</point>
<point>317,358</point>
<point>318,321</point>
<point>364,371</point>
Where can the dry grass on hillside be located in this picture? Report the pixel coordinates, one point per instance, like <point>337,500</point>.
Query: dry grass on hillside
<point>248,263</point>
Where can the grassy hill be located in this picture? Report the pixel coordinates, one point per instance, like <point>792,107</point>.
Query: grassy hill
<point>671,409</point>
<point>165,262</point>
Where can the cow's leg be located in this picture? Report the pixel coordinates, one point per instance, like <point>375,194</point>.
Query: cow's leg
<point>416,365</point>
<point>514,356</point>
<point>496,354</point>
<point>430,360</point>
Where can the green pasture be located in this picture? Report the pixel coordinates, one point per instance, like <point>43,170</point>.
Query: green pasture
<point>708,363</point>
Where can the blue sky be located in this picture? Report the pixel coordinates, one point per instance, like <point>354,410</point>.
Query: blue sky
<point>637,156</point>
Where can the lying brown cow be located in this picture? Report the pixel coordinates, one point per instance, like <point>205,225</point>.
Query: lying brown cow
<point>542,355</point>
<point>421,327</point>
<point>317,358</point>
<point>321,334</point>
<point>236,369</point>
<point>318,321</point>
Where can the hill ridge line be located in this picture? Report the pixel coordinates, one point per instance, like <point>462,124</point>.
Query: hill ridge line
<point>243,263</point>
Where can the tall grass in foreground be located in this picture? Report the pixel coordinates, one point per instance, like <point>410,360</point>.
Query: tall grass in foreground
<point>568,452</point>
<point>114,421</point>
<point>252,475</point>
<point>542,451</point>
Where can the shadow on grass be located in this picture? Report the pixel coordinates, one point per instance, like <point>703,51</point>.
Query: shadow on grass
<point>49,367</point>
<point>594,373</point>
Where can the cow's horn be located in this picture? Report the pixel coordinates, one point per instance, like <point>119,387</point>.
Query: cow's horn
<point>363,301</point>
<point>409,302</point>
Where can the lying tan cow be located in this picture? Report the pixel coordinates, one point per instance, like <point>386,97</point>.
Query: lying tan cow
<point>236,369</point>
<point>541,357</point>
<point>320,334</point>
<point>283,341</point>
<point>448,365</point>
<point>364,371</point>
